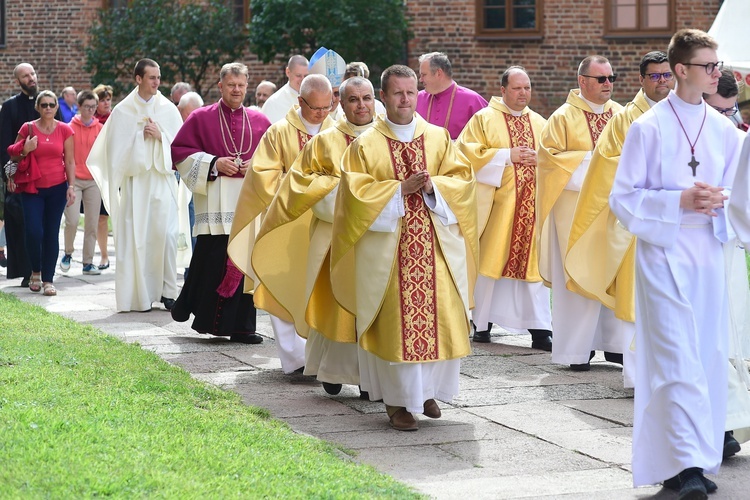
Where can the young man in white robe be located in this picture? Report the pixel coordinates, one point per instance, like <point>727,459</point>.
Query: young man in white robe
<point>677,160</point>
<point>131,162</point>
<point>280,102</point>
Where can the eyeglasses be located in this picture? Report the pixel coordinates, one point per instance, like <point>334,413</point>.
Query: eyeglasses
<point>602,79</point>
<point>726,111</point>
<point>90,107</point>
<point>46,105</point>
<point>709,67</point>
<point>324,108</point>
<point>655,77</point>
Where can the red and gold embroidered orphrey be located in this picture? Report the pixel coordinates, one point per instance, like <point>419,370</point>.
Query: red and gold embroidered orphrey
<point>416,260</point>
<point>302,138</point>
<point>524,218</point>
<point>596,124</point>
<point>349,139</point>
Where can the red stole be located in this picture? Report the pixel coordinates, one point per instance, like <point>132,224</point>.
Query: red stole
<point>596,124</point>
<point>524,218</point>
<point>416,260</point>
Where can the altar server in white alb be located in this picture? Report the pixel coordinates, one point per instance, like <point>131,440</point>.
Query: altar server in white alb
<point>278,105</point>
<point>131,162</point>
<point>669,191</point>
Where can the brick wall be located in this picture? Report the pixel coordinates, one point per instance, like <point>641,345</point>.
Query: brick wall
<point>573,29</point>
<point>51,36</point>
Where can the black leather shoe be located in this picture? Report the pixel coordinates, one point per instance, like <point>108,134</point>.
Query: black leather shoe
<point>332,389</point>
<point>364,395</point>
<point>25,283</point>
<point>692,486</point>
<point>613,357</point>
<point>541,339</point>
<point>246,338</point>
<point>673,483</point>
<point>583,367</point>
<point>168,303</point>
<point>483,337</point>
<point>731,445</point>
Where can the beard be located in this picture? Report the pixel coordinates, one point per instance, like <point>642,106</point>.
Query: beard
<point>32,91</point>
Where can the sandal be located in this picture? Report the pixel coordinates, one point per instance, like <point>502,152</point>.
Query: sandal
<point>35,283</point>
<point>49,290</point>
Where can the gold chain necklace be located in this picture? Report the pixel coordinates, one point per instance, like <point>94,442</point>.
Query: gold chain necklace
<point>238,153</point>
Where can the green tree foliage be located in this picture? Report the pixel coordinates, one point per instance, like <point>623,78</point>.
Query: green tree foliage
<point>186,39</point>
<point>372,31</point>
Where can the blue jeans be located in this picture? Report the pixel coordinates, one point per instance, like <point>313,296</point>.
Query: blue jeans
<point>42,213</point>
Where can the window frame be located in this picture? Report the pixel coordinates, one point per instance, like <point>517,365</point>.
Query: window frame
<point>482,33</point>
<point>612,32</point>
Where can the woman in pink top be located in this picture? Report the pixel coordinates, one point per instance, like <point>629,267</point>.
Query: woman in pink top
<point>50,151</point>
<point>86,128</point>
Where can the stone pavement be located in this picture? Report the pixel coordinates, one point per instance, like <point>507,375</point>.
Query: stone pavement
<point>520,428</point>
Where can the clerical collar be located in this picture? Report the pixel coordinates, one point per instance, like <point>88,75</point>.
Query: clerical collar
<point>227,108</point>
<point>512,111</point>
<point>358,129</point>
<point>311,128</point>
<point>404,133</point>
<point>650,101</point>
<point>446,91</point>
<point>596,108</point>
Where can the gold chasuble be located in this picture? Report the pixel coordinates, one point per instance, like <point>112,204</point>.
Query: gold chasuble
<point>410,288</point>
<point>273,158</point>
<point>507,243</point>
<point>601,252</point>
<point>280,265</point>
<point>571,132</point>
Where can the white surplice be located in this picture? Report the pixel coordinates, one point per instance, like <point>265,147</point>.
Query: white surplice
<point>681,294</point>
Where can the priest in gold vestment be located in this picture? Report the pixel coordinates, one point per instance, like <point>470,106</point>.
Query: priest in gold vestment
<point>403,252</point>
<point>581,324</point>
<point>500,142</point>
<point>279,147</point>
<point>299,220</point>
<point>601,253</point>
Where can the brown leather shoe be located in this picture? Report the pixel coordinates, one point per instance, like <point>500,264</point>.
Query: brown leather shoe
<point>431,409</point>
<point>401,420</point>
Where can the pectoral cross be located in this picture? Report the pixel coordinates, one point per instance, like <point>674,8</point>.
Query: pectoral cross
<point>693,164</point>
<point>238,161</point>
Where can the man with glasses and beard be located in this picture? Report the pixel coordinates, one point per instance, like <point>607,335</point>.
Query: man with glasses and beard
<point>601,254</point>
<point>582,325</point>
<point>279,147</point>
<point>16,111</point>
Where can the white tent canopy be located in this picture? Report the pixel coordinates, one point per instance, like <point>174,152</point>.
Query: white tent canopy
<point>730,31</point>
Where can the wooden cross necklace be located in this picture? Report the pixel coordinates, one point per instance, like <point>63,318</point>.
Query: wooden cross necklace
<point>692,163</point>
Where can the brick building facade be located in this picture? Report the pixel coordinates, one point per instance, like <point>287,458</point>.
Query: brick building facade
<point>481,37</point>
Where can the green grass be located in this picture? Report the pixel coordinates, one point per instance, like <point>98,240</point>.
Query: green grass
<point>83,414</point>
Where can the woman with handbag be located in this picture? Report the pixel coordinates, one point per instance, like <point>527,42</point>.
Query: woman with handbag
<point>45,178</point>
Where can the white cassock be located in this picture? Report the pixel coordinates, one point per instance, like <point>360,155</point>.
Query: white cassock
<point>514,305</point>
<point>279,104</point>
<point>408,384</point>
<point>738,405</point>
<point>139,190</point>
<point>682,319</point>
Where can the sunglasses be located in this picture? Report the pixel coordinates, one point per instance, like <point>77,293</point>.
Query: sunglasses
<point>46,105</point>
<point>655,77</point>
<point>602,79</point>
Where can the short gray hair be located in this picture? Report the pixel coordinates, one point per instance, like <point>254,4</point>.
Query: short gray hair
<point>234,68</point>
<point>355,81</point>
<point>192,99</point>
<point>178,87</point>
<point>438,60</point>
<point>314,83</point>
